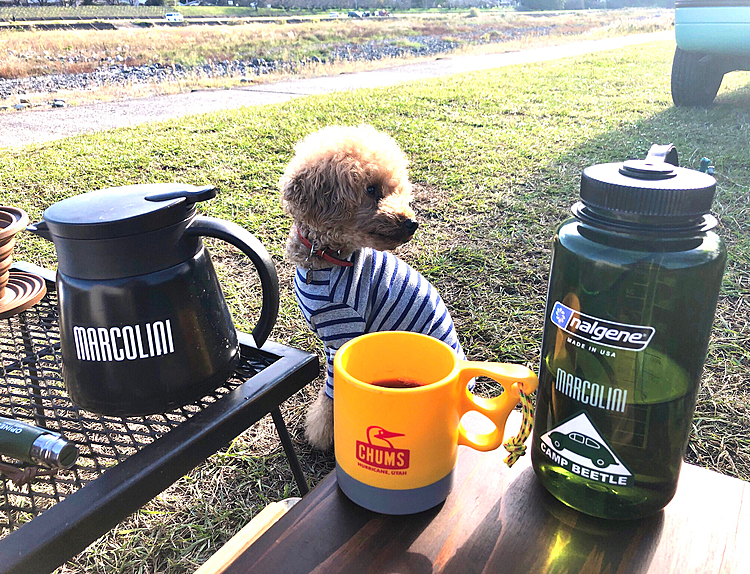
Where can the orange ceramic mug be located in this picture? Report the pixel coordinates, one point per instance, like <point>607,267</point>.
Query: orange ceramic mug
<point>396,448</point>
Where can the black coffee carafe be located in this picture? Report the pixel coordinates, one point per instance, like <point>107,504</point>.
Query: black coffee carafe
<point>144,326</point>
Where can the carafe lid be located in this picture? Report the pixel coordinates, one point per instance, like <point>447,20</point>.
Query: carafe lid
<point>122,211</point>
<point>655,188</point>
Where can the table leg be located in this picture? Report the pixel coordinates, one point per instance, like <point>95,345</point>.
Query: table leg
<point>35,388</point>
<point>291,456</point>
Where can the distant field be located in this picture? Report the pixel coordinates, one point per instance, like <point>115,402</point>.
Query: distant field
<point>39,13</point>
<point>30,53</point>
<point>42,13</point>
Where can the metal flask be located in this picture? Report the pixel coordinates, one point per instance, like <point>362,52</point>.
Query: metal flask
<point>144,326</point>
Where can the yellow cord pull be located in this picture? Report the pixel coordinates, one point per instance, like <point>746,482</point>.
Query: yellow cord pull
<point>515,445</point>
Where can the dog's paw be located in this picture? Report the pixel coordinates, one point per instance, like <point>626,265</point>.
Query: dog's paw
<point>319,423</point>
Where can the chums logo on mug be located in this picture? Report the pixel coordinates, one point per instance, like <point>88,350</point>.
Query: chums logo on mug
<point>379,452</point>
<point>595,330</point>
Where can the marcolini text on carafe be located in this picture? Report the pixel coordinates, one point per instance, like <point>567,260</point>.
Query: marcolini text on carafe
<point>126,342</point>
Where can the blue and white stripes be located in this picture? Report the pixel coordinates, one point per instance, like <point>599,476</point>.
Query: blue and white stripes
<point>379,292</point>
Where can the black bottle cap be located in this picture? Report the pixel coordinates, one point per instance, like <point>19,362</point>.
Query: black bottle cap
<point>650,190</point>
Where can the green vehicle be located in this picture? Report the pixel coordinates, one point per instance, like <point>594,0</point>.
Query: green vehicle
<point>583,445</point>
<point>713,39</point>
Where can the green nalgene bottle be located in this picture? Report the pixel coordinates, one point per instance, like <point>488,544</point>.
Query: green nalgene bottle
<point>632,293</point>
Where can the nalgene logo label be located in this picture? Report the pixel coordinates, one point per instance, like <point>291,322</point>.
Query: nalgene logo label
<point>596,330</point>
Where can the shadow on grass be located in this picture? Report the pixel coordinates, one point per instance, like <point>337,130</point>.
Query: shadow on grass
<point>498,267</point>
<point>513,257</point>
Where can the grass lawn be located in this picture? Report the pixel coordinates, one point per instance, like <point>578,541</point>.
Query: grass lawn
<point>496,162</point>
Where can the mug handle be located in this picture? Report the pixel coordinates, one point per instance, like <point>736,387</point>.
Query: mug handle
<point>246,242</point>
<point>498,409</point>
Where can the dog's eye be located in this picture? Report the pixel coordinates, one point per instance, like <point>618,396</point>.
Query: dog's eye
<point>374,191</point>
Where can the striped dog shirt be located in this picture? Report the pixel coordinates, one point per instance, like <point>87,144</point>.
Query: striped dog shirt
<point>379,292</point>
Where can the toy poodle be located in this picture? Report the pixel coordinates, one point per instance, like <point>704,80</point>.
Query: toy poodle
<point>348,191</point>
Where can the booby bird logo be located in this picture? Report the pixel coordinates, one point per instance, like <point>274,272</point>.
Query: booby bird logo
<point>379,452</point>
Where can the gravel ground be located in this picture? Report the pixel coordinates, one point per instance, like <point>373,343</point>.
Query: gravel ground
<point>113,73</point>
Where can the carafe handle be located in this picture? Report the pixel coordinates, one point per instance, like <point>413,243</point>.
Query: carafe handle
<point>246,242</point>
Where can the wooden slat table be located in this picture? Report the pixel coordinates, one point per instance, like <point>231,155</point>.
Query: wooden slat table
<point>500,520</point>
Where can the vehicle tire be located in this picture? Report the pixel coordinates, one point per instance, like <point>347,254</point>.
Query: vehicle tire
<point>694,83</point>
<point>600,462</point>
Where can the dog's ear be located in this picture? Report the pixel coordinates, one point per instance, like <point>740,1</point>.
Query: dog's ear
<point>323,193</point>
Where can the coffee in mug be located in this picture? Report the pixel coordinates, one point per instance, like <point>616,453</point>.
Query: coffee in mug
<point>399,383</point>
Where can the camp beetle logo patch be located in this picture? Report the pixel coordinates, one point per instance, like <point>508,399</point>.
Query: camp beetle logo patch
<point>576,445</point>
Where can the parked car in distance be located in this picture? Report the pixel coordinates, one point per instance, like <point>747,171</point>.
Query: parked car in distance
<point>713,39</point>
<point>353,14</point>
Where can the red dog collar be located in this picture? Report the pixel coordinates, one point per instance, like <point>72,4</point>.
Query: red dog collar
<point>323,253</point>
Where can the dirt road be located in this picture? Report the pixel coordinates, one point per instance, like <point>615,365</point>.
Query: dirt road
<point>36,126</point>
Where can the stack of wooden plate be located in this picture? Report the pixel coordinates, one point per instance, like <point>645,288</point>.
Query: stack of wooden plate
<point>18,290</point>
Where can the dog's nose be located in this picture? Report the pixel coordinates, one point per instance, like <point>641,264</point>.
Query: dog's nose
<point>411,225</point>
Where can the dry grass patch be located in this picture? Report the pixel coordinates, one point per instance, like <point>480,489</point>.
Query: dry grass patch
<point>37,53</point>
<point>32,53</point>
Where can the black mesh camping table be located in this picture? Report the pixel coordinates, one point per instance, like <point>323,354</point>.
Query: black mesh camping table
<point>123,461</point>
